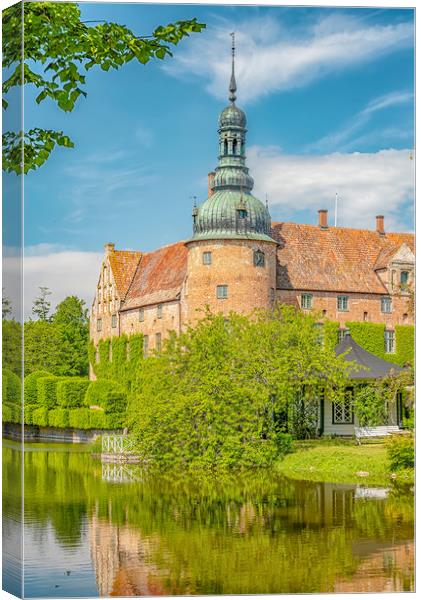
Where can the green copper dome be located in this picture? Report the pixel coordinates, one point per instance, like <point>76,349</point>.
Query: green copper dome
<point>231,211</point>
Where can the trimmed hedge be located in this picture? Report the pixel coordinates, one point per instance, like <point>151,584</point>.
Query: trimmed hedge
<point>97,419</point>
<point>71,392</point>
<point>79,418</point>
<point>28,413</point>
<point>11,388</point>
<point>6,413</point>
<point>58,417</point>
<point>107,394</point>
<point>40,416</point>
<point>47,391</point>
<point>30,395</point>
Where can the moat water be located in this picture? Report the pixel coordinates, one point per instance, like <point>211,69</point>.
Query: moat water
<point>101,530</point>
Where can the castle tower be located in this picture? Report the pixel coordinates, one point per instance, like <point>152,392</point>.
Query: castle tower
<point>232,257</point>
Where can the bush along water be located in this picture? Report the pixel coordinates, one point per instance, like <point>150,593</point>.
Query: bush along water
<point>401,452</point>
<point>64,402</point>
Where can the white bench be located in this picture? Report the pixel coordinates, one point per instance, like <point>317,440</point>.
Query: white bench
<point>375,432</point>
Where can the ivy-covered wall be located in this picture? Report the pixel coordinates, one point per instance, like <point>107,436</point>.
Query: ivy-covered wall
<point>118,358</point>
<point>371,337</point>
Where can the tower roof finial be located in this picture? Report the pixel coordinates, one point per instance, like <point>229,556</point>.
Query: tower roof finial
<point>233,84</point>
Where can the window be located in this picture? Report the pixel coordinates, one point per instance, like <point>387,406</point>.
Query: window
<point>342,413</point>
<point>158,342</point>
<point>306,301</point>
<point>234,146</point>
<point>141,314</point>
<point>114,321</point>
<point>159,311</point>
<point>404,278</point>
<point>222,292</point>
<point>242,213</point>
<point>272,294</point>
<point>365,316</point>
<point>342,333</point>
<point>145,345</point>
<point>99,324</point>
<point>405,318</point>
<point>389,342</point>
<point>259,258</point>
<point>343,303</point>
<point>207,258</point>
<point>386,304</point>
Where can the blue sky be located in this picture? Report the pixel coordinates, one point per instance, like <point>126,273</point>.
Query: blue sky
<point>329,100</point>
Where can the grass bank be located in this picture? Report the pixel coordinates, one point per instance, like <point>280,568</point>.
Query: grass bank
<point>341,462</point>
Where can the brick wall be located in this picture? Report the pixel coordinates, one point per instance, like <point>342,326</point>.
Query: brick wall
<point>232,264</point>
<point>152,323</point>
<point>362,307</point>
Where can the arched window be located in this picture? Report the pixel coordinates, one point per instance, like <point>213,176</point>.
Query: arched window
<point>234,146</point>
<point>225,147</point>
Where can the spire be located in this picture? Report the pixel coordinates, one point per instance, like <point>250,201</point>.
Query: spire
<point>233,84</point>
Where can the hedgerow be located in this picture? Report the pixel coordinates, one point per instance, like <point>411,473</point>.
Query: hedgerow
<point>71,392</point>
<point>30,395</point>
<point>28,411</point>
<point>47,391</point>
<point>58,417</point>
<point>6,414</point>
<point>11,388</point>
<point>79,418</point>
<point>40,416</point>
<point>107,394</point>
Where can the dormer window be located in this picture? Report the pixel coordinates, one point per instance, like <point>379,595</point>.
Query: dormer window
<point>242,213</point>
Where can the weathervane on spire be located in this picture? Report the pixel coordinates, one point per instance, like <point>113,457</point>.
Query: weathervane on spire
<point>233,84</point>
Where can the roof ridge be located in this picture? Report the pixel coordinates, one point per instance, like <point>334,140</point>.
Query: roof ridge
<point>333,228</point>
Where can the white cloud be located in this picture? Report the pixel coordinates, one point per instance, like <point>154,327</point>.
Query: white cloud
<point>272,58</point>
<point>345,137</point>
<point>367,184</point>
<point>65,272</point>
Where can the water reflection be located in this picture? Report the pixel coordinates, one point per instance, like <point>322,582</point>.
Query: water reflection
<point>120,532</point>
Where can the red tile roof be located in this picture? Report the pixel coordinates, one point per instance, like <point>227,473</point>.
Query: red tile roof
<point>337,259</point>
<point>123,264</point>
<point>159,276</point>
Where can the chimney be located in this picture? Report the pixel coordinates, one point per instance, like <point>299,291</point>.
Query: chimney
<point>211,176</point>
<point>323,219</point>
<point>380,224</point>
<point>109,248</point>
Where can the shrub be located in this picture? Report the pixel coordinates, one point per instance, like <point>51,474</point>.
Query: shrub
<point>107,394</point>
<point>115,420</point>
<point>283,443</point>
<point>47,391</point>
<point>30,395</point>
<point>58,417</point>
<point>40,416</point>
<point>28,413</point>
<point>97,419</point>
<point>6,415</point>
<point>71,392</point>
<point>11,387</point>
<point>400,449</point>
<point>79,418</point>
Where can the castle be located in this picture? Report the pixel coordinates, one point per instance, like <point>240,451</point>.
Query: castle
<point>237,259</point>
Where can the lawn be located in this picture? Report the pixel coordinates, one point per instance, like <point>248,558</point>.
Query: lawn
<point>341,462</point>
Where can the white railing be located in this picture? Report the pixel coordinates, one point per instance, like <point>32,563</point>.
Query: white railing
<point>117,444</point>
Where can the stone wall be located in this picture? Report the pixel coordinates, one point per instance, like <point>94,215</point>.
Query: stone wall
<point>154,321</point>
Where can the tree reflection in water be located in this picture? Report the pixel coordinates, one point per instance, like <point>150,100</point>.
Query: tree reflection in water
<point>258,533</point>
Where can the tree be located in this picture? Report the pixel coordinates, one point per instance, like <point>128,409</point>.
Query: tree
<point>12,346</point>
<point>6,306</point>
<point>71,321</point>
<point>215,395</point>
<point>41,306</point>
<point>59,49</point>
<point>43,350</point>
